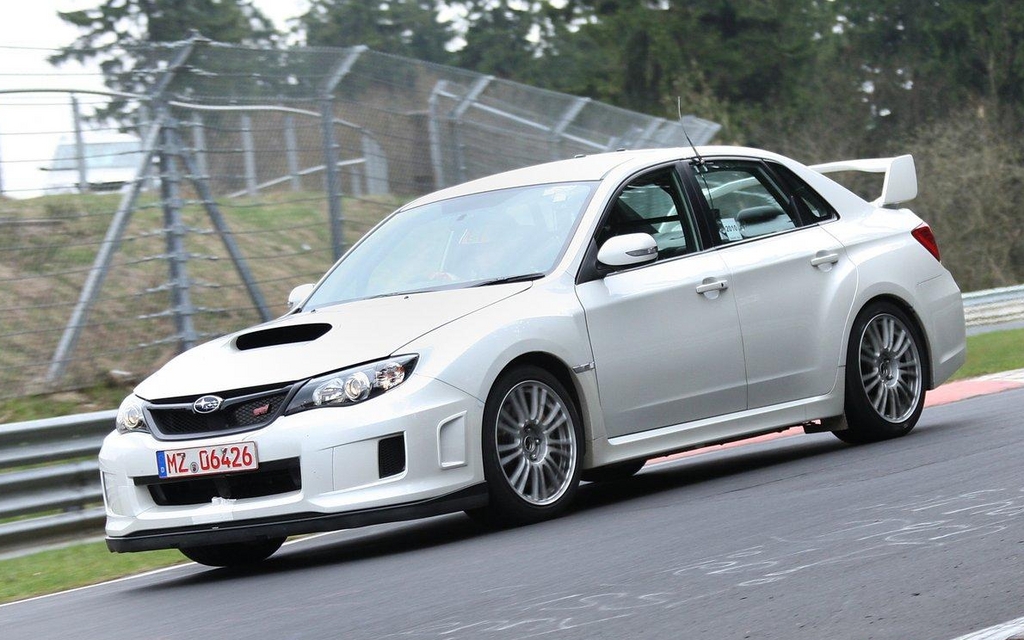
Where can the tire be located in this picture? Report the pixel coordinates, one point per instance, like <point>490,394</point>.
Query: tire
<point>237,554</point>
<point>886,375</point>
<point>614,472</point>
<point>532,448</point>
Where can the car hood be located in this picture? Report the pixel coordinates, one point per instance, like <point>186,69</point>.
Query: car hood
<point>301,346</point>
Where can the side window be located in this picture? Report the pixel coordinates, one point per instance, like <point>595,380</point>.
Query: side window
<point>653,204</point>
<point>816,208</point>
<point>744,201</point>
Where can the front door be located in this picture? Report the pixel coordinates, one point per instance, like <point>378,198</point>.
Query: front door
<point>666,335</point>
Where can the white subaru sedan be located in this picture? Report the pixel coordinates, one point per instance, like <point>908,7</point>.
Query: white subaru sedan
<point>487,347</point>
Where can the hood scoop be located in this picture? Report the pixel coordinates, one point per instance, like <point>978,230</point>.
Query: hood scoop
<point>281,335</point>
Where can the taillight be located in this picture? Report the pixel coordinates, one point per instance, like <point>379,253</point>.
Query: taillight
<point>924,235</point>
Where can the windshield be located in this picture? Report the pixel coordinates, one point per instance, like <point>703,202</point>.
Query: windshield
<point>465,241</point>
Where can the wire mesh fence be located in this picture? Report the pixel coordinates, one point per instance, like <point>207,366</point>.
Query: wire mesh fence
<point>187,201</point>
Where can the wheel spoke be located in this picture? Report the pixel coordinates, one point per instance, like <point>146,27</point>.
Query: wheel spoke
<point>557,424</point>
<point>506,425</point>
<point>540,401</point>
<point>520,476</point>
<point>504,460</point>
<point>535,482</point>
<point>520,468</point>
<point>519,405</point>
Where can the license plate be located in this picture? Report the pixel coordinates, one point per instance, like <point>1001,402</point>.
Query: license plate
<point>224,458</point>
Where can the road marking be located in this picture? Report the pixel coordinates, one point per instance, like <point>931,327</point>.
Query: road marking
<point>146,574</point>
<point>1002,631</point>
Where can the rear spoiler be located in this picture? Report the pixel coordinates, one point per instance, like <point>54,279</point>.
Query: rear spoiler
<point>900,176</point>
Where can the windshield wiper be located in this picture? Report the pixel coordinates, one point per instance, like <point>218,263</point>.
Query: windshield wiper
<point>524,277</point>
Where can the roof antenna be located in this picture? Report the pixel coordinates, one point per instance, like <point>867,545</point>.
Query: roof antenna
<point>699,161</point>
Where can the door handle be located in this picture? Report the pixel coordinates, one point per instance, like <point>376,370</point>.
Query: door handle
<point>710,285</point>
<point>824,257</point>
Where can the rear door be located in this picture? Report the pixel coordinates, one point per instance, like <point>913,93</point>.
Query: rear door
<point>792,282</point>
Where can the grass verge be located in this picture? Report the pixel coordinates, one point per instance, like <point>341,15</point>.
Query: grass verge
<point>993,352</point>
<point>74,566</point>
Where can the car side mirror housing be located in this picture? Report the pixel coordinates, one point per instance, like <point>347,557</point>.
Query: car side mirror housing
<point>628,250</point>
<point>299,294</point>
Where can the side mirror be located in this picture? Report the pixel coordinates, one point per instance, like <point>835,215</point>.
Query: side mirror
<point>299,294</point>
<point>628,250</point>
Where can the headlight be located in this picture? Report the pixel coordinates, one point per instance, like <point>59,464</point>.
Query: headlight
<point>352,386</point>
<point>130,417</point>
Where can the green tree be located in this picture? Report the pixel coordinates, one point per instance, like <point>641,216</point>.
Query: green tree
<point>402,27</point>
<point>112,31</point>
<point>121,34</point>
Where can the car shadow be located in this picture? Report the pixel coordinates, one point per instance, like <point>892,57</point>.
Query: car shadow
<point>360,545</point>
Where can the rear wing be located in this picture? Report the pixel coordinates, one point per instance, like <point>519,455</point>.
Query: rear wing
<point>900,176</point>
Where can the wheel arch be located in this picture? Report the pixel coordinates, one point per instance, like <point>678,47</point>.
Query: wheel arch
<point>911,313</point>
<point>563,373</point>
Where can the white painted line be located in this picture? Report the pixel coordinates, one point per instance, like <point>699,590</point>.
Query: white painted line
<point>148,573</point>
<point>98,584</point>
<point>998,632</point>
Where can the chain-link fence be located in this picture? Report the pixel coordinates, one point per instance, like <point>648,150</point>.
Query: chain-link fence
<point>229,175</point>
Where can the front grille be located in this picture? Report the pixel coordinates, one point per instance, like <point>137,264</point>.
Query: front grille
<point>242,413</point>
<point>391,456</point>
<point>272,478</point>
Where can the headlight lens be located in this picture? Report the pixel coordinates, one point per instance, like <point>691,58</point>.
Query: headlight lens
<point>352,386</point>
<point>130,416</point>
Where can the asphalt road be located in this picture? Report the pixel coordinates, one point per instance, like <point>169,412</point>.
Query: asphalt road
<point>802,537</point>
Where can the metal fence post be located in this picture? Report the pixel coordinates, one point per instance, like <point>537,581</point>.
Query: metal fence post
<point>332,183</point>
<point>101,264</point>
<point>434,133</point>
<point>202,187</point>
<point>376,164</point>
<point>199,145</point>
<point>249,155</point>
<point>80,159</point>
<point>112,239</point>
<point>570,114</point>
<point>457,113</point>
<point>291,150</point>
<point>177,257</point>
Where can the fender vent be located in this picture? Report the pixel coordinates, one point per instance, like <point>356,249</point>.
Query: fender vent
<point>281,335</point>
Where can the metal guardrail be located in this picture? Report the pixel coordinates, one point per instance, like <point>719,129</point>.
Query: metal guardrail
<point>993,306</point>
<point>49,479</point>
<point>49,476</point>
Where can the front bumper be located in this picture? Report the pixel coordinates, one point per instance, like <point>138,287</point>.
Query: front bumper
<point>333,456</point>
<point>279,527</point>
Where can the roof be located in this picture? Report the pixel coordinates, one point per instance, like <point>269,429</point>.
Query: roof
<point>584,169</point>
